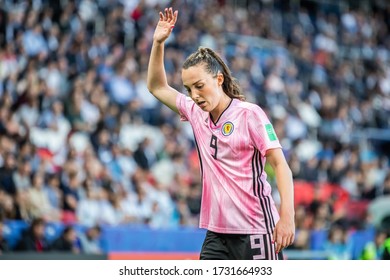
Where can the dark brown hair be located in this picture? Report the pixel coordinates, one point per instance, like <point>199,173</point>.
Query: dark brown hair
<point>215,64</point>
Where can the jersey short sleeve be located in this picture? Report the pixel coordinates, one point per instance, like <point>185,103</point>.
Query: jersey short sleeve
<point>185,106</point>
<point>261,131</point>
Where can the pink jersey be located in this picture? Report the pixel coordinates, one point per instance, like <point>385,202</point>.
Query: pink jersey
<point>236,196</point>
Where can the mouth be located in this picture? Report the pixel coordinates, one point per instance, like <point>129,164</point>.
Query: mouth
<point>201,104</point>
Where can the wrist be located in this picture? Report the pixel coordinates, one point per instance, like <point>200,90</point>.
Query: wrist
<point>158,42</point>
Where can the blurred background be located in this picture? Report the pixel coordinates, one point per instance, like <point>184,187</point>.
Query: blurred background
<point>92,166</point>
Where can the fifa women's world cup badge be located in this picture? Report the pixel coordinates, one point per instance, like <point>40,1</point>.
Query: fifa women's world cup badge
<point>227,128</point>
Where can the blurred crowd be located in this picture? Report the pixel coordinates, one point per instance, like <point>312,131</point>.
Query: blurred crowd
<point>82,140</point>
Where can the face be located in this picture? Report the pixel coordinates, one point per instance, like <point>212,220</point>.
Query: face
<point>39,230</point>
<point>203,87</point>
<point>71,236</point>
<point>38,182</point>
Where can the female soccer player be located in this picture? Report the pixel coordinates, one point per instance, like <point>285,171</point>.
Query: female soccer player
<point>234,139</point>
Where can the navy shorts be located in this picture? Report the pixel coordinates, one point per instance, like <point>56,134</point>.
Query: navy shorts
<point>219,246</point>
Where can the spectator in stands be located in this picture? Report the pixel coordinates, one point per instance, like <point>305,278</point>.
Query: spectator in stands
<point>34,41</point>
<point>2,198</point>
<point>54,120</point>
<point>71,195</point>
<point>8,209</point>
<point>33,239</point>
<point>120,87</point>
<point>303,220</point>
<point>386,184</point>
<point>103,145</point>
<point>90,240</point>
<point>144,154</point>
<point>337,247</point>
<point>6,171</point>
<point>53,191</point>
<point>374,250</point>
<point>4,247</point>
<point>73,110</point>
<point>183,214</point>
<point>111,212</point>
<point>162,206</point>
<point>194,198</point>
<point>322,212</point>
<point>67,241</point>
<point>28,113</point>
<point>22,175</point>
<point>385,224</point>
<point>138,205</point>
<point>88,210</point>
<point>39,200</point>
<point>386,249</point>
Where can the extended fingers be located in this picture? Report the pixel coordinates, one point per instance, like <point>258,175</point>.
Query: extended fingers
<point>168,15</point>
<point>164,15</point>
<point>174,17</point>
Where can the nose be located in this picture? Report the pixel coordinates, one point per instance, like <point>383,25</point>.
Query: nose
<point>194,95</point>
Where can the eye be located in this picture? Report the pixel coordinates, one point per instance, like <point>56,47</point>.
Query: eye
<point>188,91</point>
<point>199,86</point>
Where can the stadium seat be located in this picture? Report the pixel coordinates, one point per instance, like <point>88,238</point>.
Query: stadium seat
<point>356,209</point>
<point>318,239</point>
<point>13,231</point>
<point>358,240</point>
<point>53,230</point>
<point>303,192</point>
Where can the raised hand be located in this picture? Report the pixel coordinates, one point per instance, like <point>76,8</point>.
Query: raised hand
<point>165,25</point>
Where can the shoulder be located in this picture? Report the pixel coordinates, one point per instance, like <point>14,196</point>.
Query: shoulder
<point>250,109</point>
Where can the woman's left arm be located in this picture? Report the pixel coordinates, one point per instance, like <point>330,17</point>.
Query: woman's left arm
<point>284,231</point>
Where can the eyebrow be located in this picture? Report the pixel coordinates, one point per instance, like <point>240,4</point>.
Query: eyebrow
<point>193,83</point>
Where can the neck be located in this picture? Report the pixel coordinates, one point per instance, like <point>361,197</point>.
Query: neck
<point>223,104</point>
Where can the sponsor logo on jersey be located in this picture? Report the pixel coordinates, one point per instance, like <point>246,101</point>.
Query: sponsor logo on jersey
<point>227,128</point>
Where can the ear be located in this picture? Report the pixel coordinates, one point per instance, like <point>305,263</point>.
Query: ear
<point>220,78</point>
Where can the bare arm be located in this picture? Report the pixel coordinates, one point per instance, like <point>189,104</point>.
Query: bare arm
<point>284,231</point>
<point>157,79</point>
